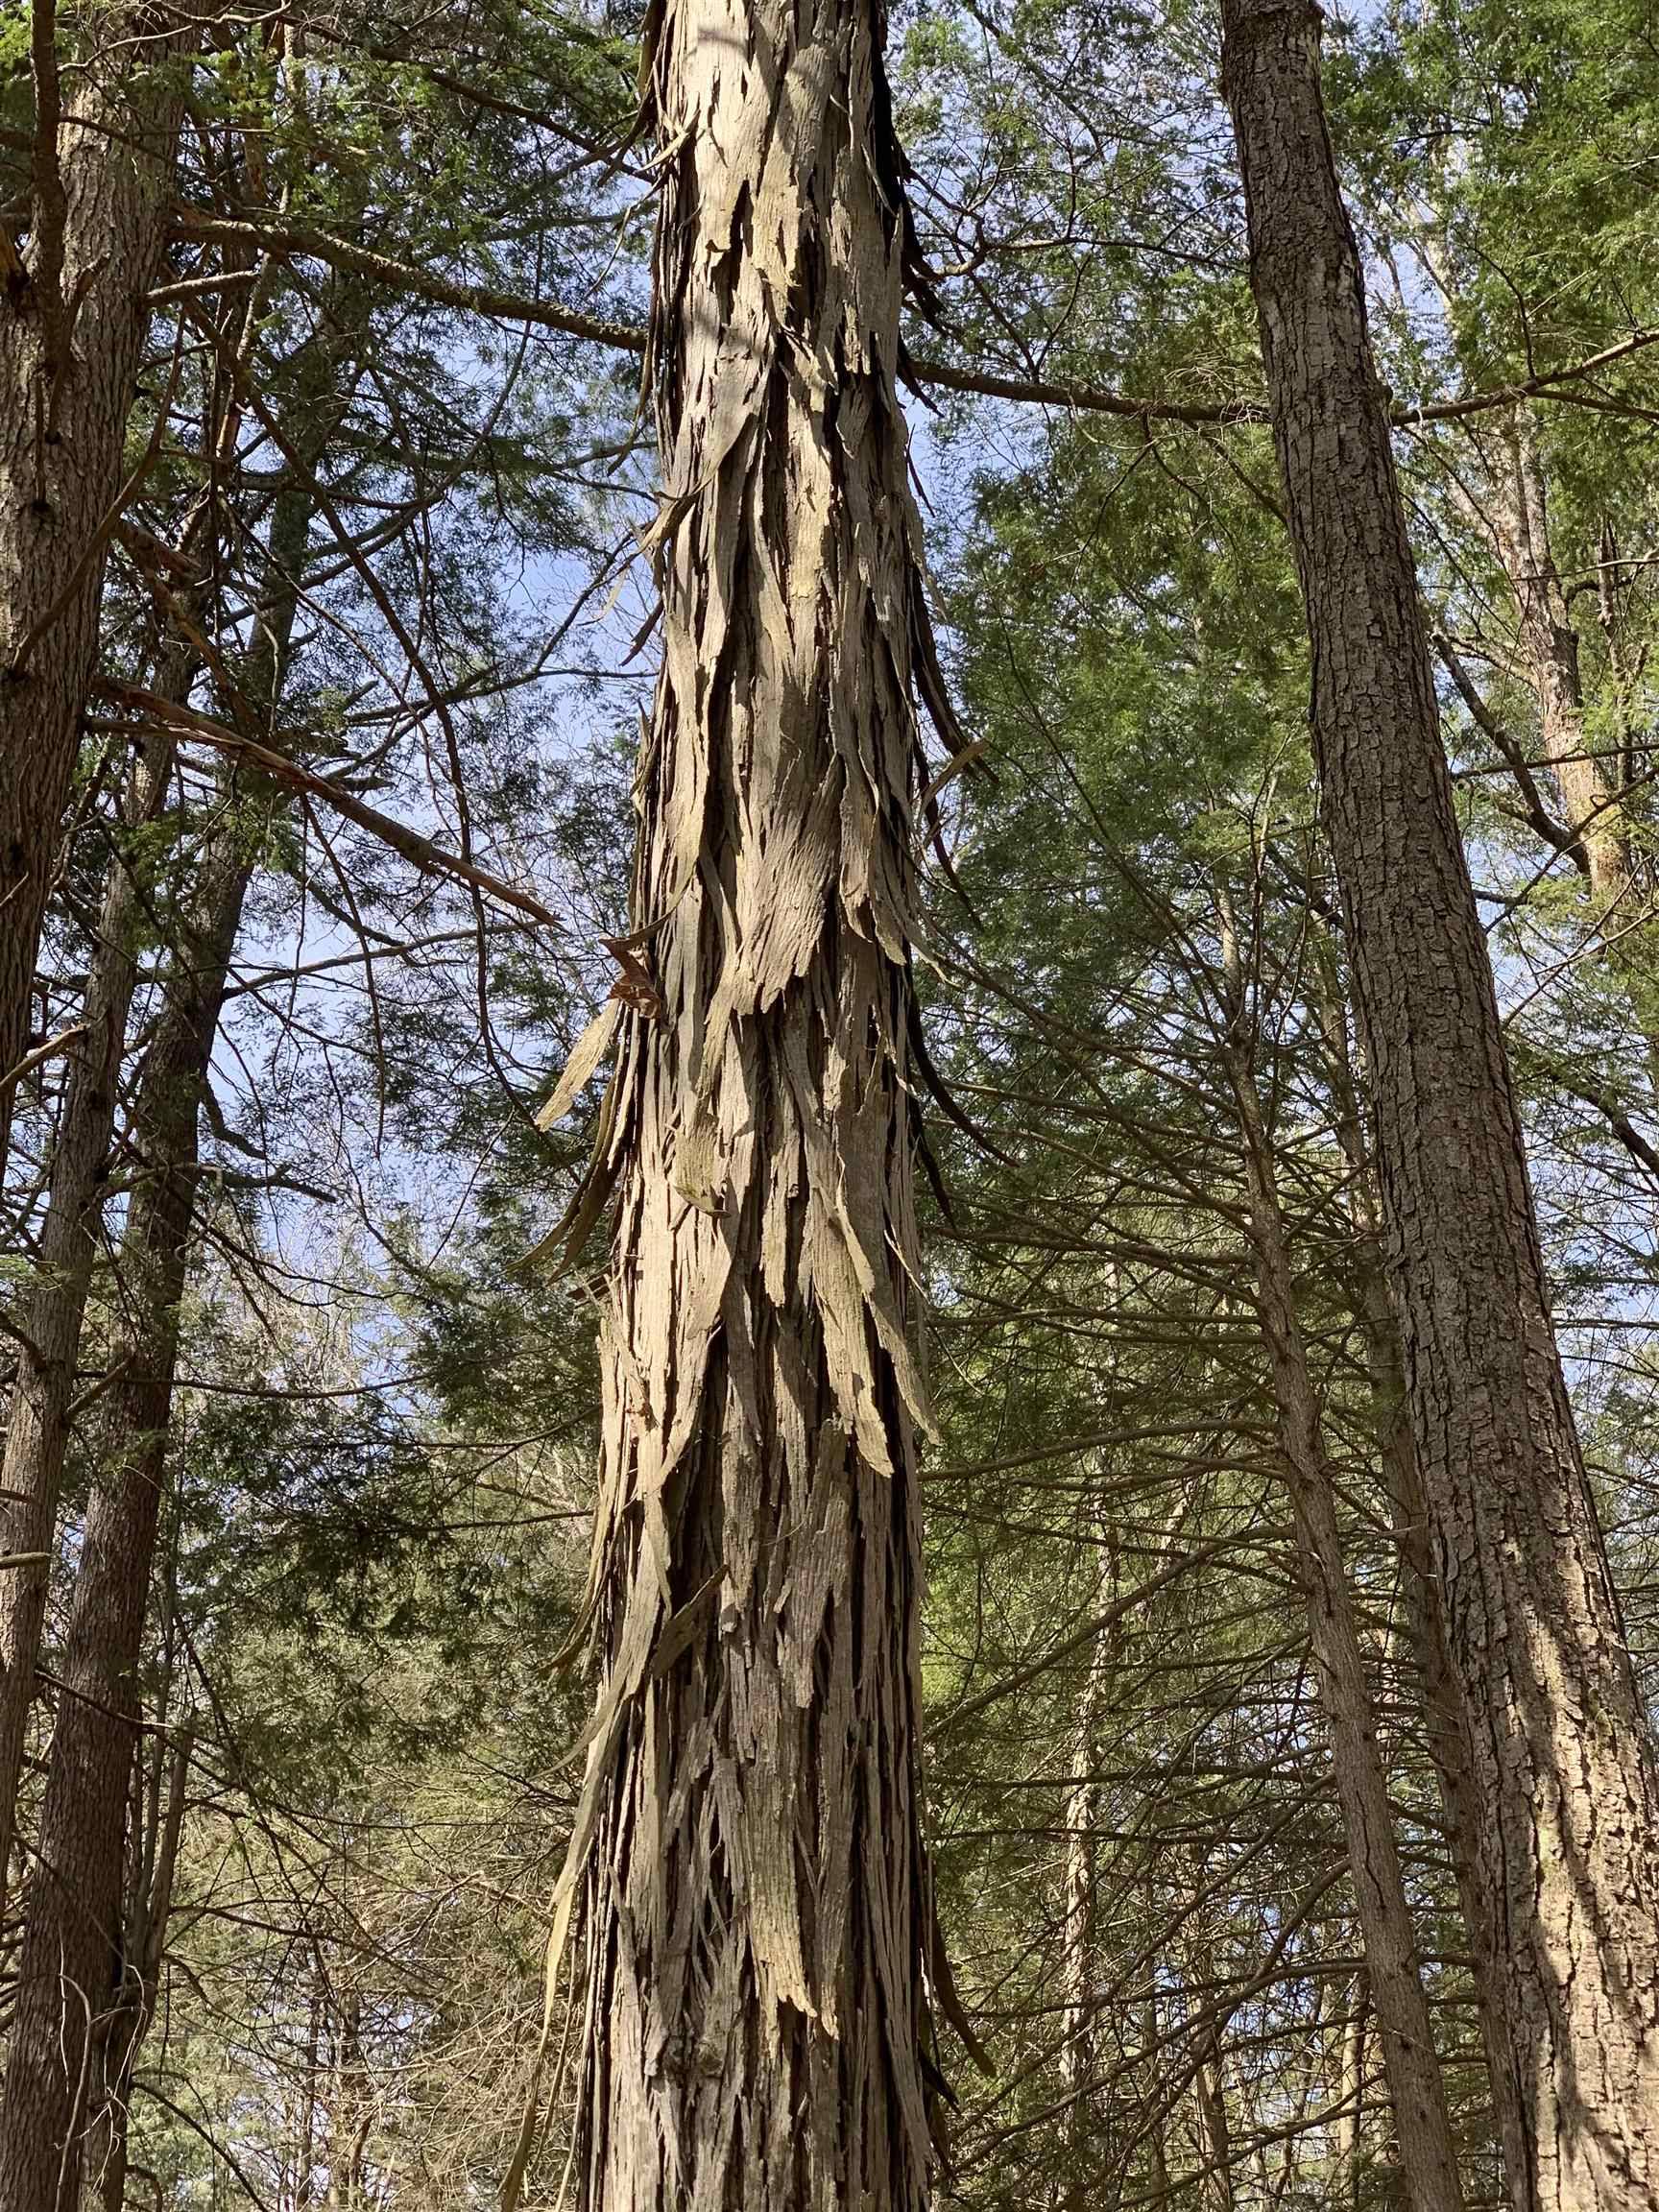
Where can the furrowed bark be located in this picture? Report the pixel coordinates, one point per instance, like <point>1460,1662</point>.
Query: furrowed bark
<point>70,1968</point>
<point>1416,2091</point>
<point>756,1913</point>
<point>1564,1763</point>
<point>71,335</point>
<point>37,1425</point>
<point>1445,1719</point>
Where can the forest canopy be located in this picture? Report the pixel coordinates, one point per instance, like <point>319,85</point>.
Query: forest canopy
<point>829,1106</point>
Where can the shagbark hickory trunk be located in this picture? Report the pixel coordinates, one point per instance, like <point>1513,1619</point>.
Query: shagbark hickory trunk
<point>754,1898</point>
<point>1563,1760</point>
<point>71,1971</point>
<point>73,314</point>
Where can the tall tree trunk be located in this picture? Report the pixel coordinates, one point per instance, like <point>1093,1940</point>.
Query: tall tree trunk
<point>72,325</point>
<point>1445,1718</point>
<point>1550,654</point>
<point>37,1424</point>
<point>1155,2117</point>
<point>38,1428</point>
<point>1079,1962</point>
<point>1214,2131</point>
<point>1416,2090</point>
<point>70,1966</point>
<point>1348,2133</point>
<point>148,1906</point>
<point>1564,1761</point>
<point>756,1906</point>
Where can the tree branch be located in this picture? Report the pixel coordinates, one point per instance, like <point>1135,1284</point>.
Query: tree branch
<point>432,859</point>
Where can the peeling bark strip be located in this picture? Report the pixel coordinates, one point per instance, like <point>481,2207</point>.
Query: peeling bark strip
<point>755,1900</point>
<point>72,326</point>
<point>1563,1763</point>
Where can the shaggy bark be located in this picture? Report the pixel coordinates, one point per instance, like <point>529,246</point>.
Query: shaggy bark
<point>1563,1760</point>
<point>71,1971</point>
<point>1423,2125</point>
<point>72,326</point>
<point>755,1909</point>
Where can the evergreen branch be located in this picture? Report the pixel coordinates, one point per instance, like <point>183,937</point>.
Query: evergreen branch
<point>431,859</point>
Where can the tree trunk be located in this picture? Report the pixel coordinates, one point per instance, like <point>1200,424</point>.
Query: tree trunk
<point>1154,2117</point>
<point>756,1906</point>
<point>1416,2090</point>
<point>1348,2133</point>
<point>1079,1960</point>
<point>1445,1721</point>
<point>37,1425</point>
<point>38,1431</point>
<point>1550,654</point>
<point>70,1966</point>
<point>150,1904</point>
<point>72,330</point>
<point>1214,2130</point>
<point>1564,1762</point>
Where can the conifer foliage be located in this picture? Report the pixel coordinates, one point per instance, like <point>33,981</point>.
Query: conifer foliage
<point>829,1106</point>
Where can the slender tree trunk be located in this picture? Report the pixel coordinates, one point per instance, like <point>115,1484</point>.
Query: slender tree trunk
<point>150,1907</point>
<point>1550,654</point>
<point>1214,2129</point>
<point>1348,2133</point>
<point>37,1425</point>
<point>1155,2116</point>
<point>37,1429</point>
<point>1416,2090</point>
<point>70,1965</point>
<point>1587,779</point>
<point>72,326</point>
<point>1079,1956</point>
<point>1445,1719</point>
<point>755,1909</point>
<point>306,2144</point>
<point>1564,1761</point>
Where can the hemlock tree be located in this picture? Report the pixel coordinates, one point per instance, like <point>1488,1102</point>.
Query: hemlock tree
<point>1564,1760</point>
<point>755,1902</point>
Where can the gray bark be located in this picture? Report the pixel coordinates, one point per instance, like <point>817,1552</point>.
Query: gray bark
<point>1563,1760</point>
<point>755,1913</point>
